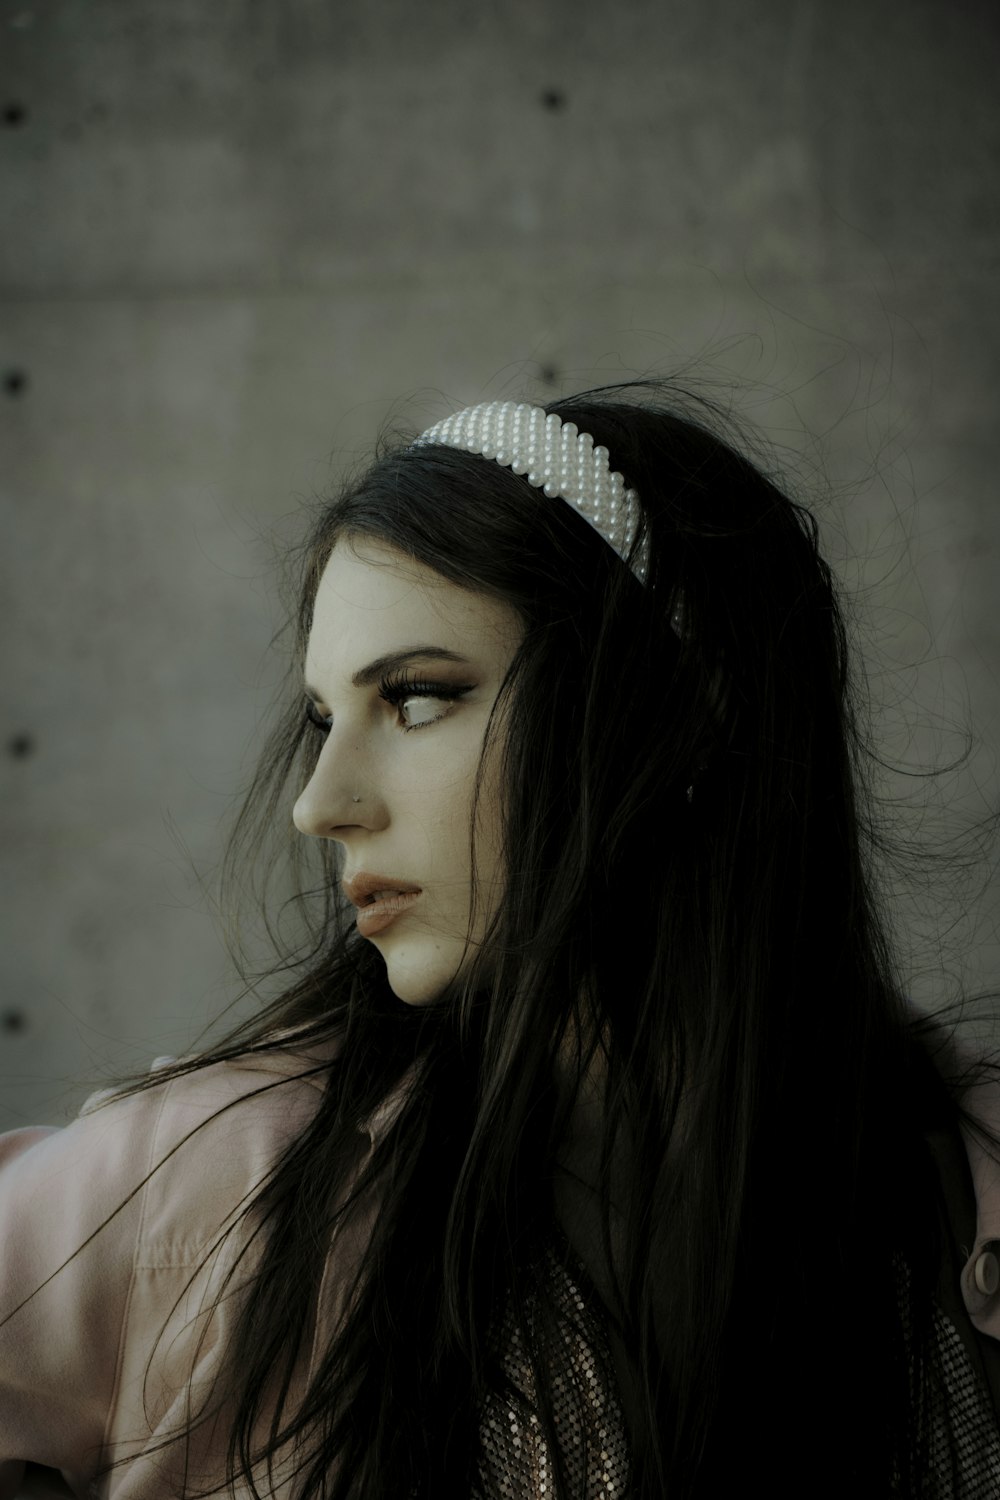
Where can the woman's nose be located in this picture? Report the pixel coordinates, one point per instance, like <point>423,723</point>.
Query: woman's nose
<point>338,797</point>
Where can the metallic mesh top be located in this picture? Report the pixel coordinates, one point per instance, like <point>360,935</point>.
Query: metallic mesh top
<point>516,1461</point>
<point>515,1457</point>
<point>960,1424</point>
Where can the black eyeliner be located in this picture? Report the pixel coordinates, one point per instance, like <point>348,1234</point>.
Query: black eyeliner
<point>394,688</point>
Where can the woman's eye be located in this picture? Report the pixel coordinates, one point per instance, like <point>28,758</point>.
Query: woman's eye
<point>419,709</point>
<point>418,704</point>
<point>317,720</point>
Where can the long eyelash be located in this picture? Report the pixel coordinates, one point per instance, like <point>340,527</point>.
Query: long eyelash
<point>393,689</point>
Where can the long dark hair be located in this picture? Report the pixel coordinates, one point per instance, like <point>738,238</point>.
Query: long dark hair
<point>691,918</point>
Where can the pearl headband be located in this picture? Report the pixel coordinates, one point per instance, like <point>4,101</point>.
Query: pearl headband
<point>556,458</point>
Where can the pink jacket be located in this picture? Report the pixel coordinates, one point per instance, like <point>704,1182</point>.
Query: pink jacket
<point>74,1384</point>
<point>83,1373</point>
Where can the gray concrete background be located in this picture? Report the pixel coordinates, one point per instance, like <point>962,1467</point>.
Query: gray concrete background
<point>237,235</point>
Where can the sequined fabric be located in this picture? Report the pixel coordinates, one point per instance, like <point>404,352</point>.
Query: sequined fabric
<point>516,1459</point>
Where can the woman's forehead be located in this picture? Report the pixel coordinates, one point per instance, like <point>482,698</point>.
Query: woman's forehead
<point>373,600</point>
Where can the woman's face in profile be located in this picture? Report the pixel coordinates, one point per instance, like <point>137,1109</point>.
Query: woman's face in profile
<point>403,668</point>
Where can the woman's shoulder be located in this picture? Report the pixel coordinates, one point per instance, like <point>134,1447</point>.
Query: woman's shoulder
<point>187,1147</point>
<point>270,1088</point>
<point>191,1085</point>
<point>980,1130</point>
<point>966,1152</point>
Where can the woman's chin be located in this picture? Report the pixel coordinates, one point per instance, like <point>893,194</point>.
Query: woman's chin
<point>419,979</point>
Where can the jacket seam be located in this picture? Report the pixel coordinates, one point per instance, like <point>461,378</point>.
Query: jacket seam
<point>127,1309</point>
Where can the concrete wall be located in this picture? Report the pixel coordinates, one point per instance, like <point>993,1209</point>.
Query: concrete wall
<point>235,236</point>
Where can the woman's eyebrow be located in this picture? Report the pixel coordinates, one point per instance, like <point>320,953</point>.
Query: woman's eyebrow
<point>391,662</point>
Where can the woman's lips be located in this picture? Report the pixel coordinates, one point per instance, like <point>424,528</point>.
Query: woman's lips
<point>383,910</point>
<point>379,898</point>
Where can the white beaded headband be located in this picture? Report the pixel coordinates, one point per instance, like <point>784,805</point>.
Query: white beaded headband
<point>556,458</point>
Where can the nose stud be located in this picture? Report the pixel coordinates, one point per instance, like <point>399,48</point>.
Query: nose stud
<point>355,799</point>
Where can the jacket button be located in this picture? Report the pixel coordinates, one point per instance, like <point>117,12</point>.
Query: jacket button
<point>987,1273</point>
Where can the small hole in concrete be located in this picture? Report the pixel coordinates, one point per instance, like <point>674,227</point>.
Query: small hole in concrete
<point>549,374</point>
<point>14,114</point>
<point>15,382</point>
<point>13,1020</point>
<point>20,746</point>
<point>554,99</point>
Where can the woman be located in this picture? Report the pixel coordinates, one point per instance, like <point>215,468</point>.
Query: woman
<point>592,1150</point>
